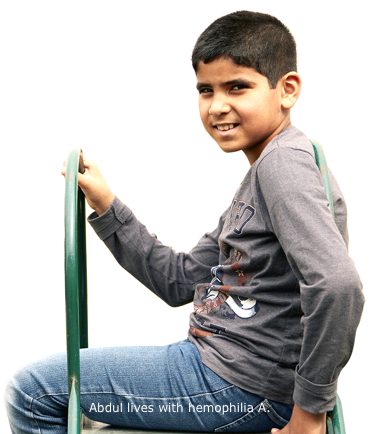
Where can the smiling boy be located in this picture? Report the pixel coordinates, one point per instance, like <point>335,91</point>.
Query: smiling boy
<point>277,299</point>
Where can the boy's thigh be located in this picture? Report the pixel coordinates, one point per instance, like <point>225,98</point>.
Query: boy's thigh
<point>153,371</point>
<point>146,387</point>
<point>169,388</point>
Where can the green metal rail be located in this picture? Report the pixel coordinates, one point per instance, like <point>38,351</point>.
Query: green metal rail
<point>76,286</point>
<point>321,162</point>
<point>75,283</point>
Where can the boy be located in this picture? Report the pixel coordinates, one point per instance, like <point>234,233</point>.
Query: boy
<point>276,298</point>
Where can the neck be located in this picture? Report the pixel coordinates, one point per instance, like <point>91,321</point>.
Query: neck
<point>253,154</point>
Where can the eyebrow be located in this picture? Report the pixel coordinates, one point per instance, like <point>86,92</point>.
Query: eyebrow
<point>242,81</point>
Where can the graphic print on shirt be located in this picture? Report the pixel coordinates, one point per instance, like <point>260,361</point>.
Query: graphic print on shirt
<point>213,297</point>
<point>216,295</point>
<point>239,216</point>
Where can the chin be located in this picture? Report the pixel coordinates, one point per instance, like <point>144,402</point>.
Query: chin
<point>230,149</point>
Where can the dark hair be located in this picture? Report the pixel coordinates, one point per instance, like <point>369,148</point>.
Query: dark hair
<point>259,41</point>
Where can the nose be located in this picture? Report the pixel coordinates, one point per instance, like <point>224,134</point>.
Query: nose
<point>219,106</point>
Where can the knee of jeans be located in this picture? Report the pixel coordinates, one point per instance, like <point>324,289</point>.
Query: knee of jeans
<point>14,396</point>
<point>18,402</point>
<point>12,399</point>
<point>24,386</point>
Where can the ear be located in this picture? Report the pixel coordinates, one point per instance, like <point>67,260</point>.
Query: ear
<point>290,88</point>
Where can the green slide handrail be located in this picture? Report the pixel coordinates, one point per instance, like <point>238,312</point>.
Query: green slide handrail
<point>321,162</point>
<point>76,285</point>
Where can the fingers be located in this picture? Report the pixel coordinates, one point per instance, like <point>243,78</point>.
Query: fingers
<point>83,180</point>
<point>88,164</point>
<point>275,431</point>
<point>63,170</point>
<point>94,186</point>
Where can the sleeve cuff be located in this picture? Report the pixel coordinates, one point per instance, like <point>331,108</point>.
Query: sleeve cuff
<point>314,398</point>
<point>108,223</point>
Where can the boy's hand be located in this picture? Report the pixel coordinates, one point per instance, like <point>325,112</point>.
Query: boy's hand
<point>303,422</point>
<point>94,187</point>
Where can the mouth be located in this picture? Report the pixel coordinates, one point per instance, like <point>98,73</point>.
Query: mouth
<point>226,130</point>
<point>225,127</point>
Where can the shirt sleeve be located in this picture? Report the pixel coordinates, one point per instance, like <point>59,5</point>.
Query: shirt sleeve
<point>330,288</point>
<point>170,275</point>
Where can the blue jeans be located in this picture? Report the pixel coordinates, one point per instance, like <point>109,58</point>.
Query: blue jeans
<point>161,388</point>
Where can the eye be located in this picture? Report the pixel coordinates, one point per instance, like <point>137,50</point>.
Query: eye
<point>239,87</point>
<point>205,90</point>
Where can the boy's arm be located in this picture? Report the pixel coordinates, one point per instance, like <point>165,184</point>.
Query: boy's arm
<point>170,275</point>
<point>296,210</point>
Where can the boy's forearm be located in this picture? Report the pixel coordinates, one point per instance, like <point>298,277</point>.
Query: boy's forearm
<point>103,204</point>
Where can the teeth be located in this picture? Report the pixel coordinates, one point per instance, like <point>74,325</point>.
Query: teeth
<point>225,127</point>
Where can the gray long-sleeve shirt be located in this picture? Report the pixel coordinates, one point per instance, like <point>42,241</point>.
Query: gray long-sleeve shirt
<point>277,299</point>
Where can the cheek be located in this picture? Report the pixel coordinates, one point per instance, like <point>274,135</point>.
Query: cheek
<point>256,114</point>
<point>203,112</point>
<point>201,105</point>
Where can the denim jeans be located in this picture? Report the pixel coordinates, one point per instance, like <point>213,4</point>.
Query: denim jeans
<point>161,388</point>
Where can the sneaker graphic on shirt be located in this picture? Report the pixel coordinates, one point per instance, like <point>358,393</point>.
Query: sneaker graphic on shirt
<point>213,298</point>
<point>243,307</point>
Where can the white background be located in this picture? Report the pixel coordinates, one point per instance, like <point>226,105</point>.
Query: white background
<point>115,78</point>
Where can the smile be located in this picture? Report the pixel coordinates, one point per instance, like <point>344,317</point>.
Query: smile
<point>225,127</point>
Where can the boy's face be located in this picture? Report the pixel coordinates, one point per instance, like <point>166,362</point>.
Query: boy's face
<point>237,107</point>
